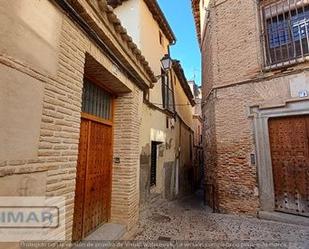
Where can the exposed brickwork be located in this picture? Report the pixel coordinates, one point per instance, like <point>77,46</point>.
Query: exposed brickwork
<point>237,44</point>
<point>60,129</point>
<point>233,81</point>
<point>125,195</point>
<point>59,135</point>
<point>210,151</point>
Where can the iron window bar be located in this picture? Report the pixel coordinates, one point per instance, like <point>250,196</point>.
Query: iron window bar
<point>285,32</point>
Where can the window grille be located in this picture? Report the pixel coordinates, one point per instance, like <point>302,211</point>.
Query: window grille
<point>96,101</point>
<point>167,93</point>
<point>285,30</point>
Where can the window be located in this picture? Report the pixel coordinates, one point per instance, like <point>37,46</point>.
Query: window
<point>96,101</point>
<point>167,92</point>
<point>160,38</point>
<point>153,166</point>
<point>286,31</point>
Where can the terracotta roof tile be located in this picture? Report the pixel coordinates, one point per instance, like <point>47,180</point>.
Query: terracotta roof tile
<point>183,81</point>
<point>126,37</point>
<point>157,13</point>
<point>196,14</point>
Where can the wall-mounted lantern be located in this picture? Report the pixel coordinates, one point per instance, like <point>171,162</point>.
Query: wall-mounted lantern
<point>166,63</point>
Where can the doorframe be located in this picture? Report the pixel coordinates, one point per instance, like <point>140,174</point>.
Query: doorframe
<point>260,118</point>
<point>110,123</point>
<point>107,122</point>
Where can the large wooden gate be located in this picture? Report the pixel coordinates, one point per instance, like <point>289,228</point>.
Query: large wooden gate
<point>289,142</point>
<point>93,180</point>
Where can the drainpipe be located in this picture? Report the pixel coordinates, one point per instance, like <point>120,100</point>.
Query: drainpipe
<point>168,47</point>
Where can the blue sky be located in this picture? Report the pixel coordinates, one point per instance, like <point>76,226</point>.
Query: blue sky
<point>179,16</point>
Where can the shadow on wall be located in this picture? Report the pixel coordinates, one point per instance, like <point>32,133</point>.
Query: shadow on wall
<point>145,174</point>
<point>172,176</point>
<point>170,180</point>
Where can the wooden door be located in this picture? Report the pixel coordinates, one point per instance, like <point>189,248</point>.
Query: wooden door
<point>93,178</point>
<point>93,181</point>
<point>289,143</point>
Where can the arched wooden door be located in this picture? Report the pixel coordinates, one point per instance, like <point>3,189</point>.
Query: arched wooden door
<point>93,180</point>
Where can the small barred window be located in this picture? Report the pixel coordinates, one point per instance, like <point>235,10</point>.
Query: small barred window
<point>285,30</point>
<point>96,101</point>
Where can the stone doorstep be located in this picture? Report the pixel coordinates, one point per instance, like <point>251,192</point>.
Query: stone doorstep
<point>108,231</point>
<point>282,217</point>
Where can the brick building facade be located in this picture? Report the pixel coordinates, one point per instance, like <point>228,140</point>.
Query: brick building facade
<point>255,90</point>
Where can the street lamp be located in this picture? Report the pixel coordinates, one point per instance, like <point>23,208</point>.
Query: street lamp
<point>166,62</point>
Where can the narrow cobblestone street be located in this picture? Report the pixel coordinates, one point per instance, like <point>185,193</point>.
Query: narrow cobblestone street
<point>189,220</point>
<point>110,109</point>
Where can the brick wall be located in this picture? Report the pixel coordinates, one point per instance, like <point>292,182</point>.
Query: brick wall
<point>208,53</point>
<point>59,134</point>
<point>57,151</point>
<point>233,41</point>
<point>210,151</point>
<point>125,191</point>
<point>232,83</point>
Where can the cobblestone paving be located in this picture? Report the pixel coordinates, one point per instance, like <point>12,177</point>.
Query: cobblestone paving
<point>189,220</point>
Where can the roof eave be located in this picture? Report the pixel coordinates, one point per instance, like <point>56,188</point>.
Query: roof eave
<point>141,67</point>
<point>167,28</point>
<point>197,18</point>
<point>158,15</point>
<point>183,81</point>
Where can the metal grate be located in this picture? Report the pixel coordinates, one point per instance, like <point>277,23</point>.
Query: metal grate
<point>285,31</point>
<point>167,94</point>
<point>168,100</point>
<point>153,170</point>
<point>96,101</point>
